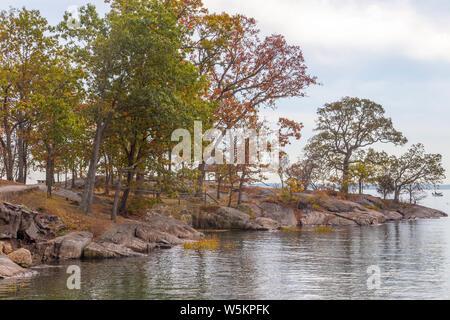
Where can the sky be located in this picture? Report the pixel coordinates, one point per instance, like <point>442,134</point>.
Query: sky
<point>394,52</point>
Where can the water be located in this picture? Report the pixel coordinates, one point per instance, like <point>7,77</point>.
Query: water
<point>414,259</point>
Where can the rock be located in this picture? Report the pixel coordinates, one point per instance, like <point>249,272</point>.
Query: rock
<point>70,246</point>
<point>283,215</point>
<point>267,224</point>
<point>370,201</point>
<point>412,212</point>
<point>245,197</point>
<point>231,219</point>
<point>108,250</point>
<point>174,227</point>
<point>138,238</point>
<point>392,215</point>
<point>318,218</point>
<point>22,257</point>
<point>28,226</point>
<point>9,269</point>
<point>223,219</point>
<point>5,248</point>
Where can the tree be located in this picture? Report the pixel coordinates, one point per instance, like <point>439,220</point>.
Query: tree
<point>57,120</point>
<point>365,168</point>
<point>415,168</point>
<point>245,71</point>
<point>385,185</point>
<point>26,44</point>
<point>347,126</point>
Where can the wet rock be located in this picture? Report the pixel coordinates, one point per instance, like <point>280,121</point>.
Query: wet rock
<point>283,215</point>
<point>22,257</point>
<point>392,215</point>
<point>318,218</point>
<point>108,250</point>
<point>9,269</point>
<point>266,224</point>
<point>70,246</point>
<point>231,219</point>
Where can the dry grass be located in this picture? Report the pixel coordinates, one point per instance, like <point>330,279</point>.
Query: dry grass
<point>290,229</point>
<point>323,229</point>
<point>208,243</point>
<point>69,213</point>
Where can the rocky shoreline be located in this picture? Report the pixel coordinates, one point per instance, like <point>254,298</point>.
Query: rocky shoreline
<point>29,238</point>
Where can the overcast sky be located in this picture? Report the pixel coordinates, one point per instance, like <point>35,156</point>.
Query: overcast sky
<point>394,52</point>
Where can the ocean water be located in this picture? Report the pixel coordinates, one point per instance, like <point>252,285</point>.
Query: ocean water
<point>412,258</point>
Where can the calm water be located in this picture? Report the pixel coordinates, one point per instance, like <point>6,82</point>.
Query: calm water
<point>414,259</point>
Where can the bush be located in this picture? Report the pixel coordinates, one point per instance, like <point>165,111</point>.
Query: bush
<point>140,205</point>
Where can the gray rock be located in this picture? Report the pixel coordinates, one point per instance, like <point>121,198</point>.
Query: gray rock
<point>70,246</point>
<point>318,218</point>
<point>22,257</point>
<point>412,212</point>
<point>283,215</point>
<point>19,223</point>
<point>232,219</point>
<point>266,224</point>
<point>9,269</point>
<point>108,250</point>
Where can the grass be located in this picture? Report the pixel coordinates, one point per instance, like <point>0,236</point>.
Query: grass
<point>290,229</point>
<point>208,243</point>
<point>69,213</point>
<point>323,229</point>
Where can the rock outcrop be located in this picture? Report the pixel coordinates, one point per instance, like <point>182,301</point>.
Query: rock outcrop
<point>283,215</point>
<point>230,219</point>
<point>365,210</point>
<point>19,223</point>
<point>70,246</point>
<point>136,239</point>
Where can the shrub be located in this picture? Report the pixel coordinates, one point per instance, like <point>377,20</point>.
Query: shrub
<point>323,229</point>
<point>208,243</point>
<point>140,205</point>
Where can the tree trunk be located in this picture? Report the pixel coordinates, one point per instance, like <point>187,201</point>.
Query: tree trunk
<point>219,185</point>
<point>89,185</point>
<point>241,185</point>
<point>49,175</point>
<point>345,175</point>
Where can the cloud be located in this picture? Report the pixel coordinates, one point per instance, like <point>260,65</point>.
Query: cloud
<point>336,28</point>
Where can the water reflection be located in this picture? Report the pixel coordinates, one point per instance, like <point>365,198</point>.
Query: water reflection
<point>413,257</point>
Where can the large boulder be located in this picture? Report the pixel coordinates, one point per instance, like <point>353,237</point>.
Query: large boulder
<point>266,224</point>
<point>9,269</point>
<point>171,226</point>
<point>283,215</point>
<point>70,246</point>
<point>108,250</point>
<point>319,218</point>
<point>231,219</point>
<point>17,222</point>
<point>413,212</point>
<point>22,257</point>
<point>135,239</point>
